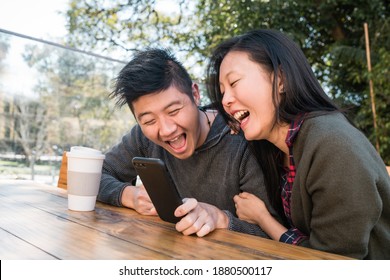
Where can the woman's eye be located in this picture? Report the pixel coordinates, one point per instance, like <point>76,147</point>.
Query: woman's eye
<point>233,83</point>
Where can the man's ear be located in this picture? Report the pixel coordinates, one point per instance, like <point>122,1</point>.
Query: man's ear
<point>196,93</point>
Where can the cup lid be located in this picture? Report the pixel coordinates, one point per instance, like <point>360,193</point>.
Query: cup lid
<point>84,152</point>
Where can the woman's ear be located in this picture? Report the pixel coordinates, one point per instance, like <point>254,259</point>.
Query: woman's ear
<point>281,88</point>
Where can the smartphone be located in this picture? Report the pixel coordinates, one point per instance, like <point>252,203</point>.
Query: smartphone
<point>159,186</point>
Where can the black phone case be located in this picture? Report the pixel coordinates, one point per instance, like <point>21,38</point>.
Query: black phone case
<point>159,187</point>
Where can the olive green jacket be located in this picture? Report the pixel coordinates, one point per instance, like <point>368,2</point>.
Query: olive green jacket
<point>341,192</point>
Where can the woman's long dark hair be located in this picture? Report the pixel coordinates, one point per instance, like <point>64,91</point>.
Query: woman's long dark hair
<point>303,94</point>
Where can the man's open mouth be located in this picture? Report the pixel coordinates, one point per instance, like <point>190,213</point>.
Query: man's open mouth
<point>178,142</point>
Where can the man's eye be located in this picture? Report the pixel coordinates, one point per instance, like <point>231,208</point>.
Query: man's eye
<point>149,122</point>
<point>174,112</point>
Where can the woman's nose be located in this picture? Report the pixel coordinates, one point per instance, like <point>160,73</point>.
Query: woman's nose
<point>227,99</point>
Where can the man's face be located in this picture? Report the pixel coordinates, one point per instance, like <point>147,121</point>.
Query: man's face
<point>171,120</point>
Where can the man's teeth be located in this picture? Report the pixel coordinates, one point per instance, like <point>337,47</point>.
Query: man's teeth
<point>175,139</point>
<point>240,115</point>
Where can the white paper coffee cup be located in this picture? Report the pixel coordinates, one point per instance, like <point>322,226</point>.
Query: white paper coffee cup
<point>83,177</point>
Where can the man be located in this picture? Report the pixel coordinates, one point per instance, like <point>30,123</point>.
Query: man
<point>207,163</point>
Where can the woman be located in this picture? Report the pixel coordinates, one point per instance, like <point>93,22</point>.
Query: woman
<point>322,173</point>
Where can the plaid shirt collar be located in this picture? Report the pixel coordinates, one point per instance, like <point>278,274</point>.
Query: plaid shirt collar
<point>287,183</point>
<point>293,235</point>
<point>292,133</point>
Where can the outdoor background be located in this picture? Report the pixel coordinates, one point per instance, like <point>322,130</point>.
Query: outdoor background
<point>54,90</point>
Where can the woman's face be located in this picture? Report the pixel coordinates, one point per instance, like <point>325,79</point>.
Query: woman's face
<point>247,95</point>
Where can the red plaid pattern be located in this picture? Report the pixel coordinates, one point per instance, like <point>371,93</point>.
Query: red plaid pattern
<point>293,235</point>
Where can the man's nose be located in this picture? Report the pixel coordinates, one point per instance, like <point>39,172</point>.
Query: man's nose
<point>167,127</point>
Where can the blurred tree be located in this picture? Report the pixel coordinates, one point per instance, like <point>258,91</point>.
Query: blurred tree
<point>74,88</point>
<point>4,48</point>
<point>31,135</point>
<point>330,33</point>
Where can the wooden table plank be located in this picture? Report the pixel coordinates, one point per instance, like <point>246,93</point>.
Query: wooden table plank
<point>12,248</point>
<point>65,239</point>
<point>124,233</point>
<point>126,224</point>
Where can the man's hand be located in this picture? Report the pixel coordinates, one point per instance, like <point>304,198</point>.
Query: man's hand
<point>200,218</point>
<point>138,199</point>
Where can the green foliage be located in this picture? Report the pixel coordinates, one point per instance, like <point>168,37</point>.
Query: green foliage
<point>330,32</point>
<point>74,90</point>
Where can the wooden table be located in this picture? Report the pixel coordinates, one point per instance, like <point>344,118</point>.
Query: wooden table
<point>35,223</point>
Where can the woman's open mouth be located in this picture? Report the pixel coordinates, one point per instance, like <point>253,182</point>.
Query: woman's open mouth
<point>240,115</point>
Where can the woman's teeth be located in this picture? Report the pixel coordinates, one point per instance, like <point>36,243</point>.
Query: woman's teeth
<point>240,115</point>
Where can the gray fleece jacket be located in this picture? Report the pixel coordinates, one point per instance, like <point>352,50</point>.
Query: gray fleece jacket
<point>219,169</point>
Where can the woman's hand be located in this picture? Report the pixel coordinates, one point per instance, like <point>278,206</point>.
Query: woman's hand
<point>252,209</point>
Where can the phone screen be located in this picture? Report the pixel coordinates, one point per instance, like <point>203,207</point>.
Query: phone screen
<point>159,186</point>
